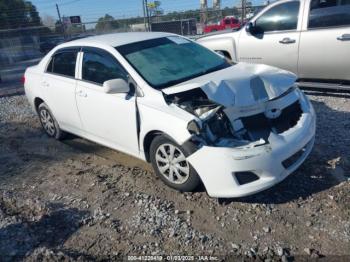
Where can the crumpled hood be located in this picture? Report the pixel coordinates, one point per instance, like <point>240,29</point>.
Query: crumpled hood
<point>240,85</point>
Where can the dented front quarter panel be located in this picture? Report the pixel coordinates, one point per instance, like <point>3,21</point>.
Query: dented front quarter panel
<point>157,116</point>
<point>265,160</point>
<point>222,42</point>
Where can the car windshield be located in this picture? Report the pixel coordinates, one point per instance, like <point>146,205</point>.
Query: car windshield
<point>167,61</point>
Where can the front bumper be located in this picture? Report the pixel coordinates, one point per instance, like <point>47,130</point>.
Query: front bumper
<point>218,166</point>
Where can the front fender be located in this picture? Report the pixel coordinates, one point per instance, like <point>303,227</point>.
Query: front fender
<point>220,43</point>
<point>156,120</point>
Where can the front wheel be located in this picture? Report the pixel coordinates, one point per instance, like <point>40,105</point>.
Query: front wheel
<point>49,123</point>
<point>170,163</point>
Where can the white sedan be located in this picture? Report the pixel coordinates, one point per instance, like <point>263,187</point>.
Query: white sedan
<point>236,128</point>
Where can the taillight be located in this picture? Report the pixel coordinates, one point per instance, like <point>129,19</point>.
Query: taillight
<point>23,79</point>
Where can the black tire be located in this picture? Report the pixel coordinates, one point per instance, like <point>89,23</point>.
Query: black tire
<point>185,182</point>
<point>50,125</point>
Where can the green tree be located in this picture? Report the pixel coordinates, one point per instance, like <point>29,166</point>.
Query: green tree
<point>154,8</point>
<point>18,13</point>
<point>106,23</point>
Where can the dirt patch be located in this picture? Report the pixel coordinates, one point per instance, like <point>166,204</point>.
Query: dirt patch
<point>75,200</point>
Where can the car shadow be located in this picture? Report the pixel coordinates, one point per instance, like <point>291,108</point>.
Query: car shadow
<point>23,145</point>
<point>20,239</point>
<point>115,156</point>
<point>316,174</point>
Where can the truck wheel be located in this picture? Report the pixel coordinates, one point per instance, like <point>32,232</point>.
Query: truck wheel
<point>49,123</point>
<point>170,164</point>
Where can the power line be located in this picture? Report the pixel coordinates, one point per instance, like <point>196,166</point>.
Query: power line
<point>27,8</point>
<point>182,6</point>
<point>43,2</point>
<point>70,2</point>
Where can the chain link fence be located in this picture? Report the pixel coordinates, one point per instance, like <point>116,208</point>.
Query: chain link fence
<point>30,43</point>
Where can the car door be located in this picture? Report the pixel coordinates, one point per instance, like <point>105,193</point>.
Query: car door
<point>275,39</point>
<point>59,86</point>
<point>109,119</point>
<point>325,41</point>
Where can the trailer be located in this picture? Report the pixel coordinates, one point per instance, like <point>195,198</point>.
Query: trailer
<point>180,27</point>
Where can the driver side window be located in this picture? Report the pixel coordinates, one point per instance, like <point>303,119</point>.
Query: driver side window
<point>281,17</point>
<point>99,67</point>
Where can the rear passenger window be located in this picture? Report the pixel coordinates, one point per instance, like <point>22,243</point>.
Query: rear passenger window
<point>63,64</point>
<point>100,67</point>
<point>329,13</point>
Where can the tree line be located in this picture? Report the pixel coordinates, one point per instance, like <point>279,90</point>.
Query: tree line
<point>15,14</point>
<point>18,14</point>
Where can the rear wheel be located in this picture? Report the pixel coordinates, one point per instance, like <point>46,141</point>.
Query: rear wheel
<point>170,163</point>
<point>49,123</point>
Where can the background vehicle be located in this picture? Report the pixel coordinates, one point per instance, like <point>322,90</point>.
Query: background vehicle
<point>228,22</point>
<point>169,101</point>
<point>308,37</point>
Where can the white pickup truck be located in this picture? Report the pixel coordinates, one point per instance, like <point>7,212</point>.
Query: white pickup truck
<point>310,38</point>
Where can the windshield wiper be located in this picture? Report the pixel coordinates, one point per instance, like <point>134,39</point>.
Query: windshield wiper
<point>216,68</point>
<point>177,81</point>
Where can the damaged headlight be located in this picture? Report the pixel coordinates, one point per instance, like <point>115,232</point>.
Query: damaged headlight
<point>211,126</point>
<point>214,126</point>
<point>193,127</point>
<point>218,126</point>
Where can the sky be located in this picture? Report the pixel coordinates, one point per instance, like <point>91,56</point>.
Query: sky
<point>91,10</point>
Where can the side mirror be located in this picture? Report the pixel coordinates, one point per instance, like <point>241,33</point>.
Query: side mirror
<point>254,29</point>
<point>220,53</point>
<point>250,28</point>
<point>116,86</point>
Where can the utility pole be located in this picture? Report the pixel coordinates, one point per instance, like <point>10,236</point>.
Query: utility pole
<point>60,19</point>
<point>147,14</point>
<point>217,8</point>
<point>144,14</point>
<point>58,12</point>
<point>243,10</point>
<point>216,4</point>
<point>203,12</point>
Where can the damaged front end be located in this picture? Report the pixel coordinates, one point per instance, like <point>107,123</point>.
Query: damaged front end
<point>252,134</point>
<point>211,126</point>
<point>219,123</point>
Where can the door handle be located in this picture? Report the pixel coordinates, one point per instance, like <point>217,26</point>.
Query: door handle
<point>287,40</point>
<point>45,84</point>
<point>81,93</point>
<point>344,37</point>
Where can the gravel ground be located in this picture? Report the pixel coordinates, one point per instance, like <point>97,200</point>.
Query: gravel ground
<point>62,201</point>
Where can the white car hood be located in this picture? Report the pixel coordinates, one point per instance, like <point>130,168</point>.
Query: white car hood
<point>240,85</point>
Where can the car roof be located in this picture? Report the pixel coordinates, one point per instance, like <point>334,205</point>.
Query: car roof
<point>118,39</point>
